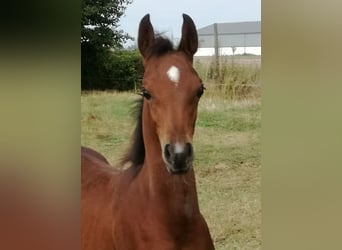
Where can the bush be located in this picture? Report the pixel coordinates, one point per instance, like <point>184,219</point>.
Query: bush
<point>118,70</point>
<point>126,70</point>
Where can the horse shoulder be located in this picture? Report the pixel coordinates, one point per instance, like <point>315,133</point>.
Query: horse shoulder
<point>98,180</point>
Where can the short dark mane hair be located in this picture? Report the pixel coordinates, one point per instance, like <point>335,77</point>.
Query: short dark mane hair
<point>135,155</point>
<point>161,46</point>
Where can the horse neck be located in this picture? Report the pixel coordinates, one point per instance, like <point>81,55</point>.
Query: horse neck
<point>169,192</point>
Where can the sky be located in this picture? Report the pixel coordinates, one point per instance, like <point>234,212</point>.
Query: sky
<point>166,16</point>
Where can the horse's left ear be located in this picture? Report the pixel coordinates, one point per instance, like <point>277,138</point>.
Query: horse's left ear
<point>189,40</point>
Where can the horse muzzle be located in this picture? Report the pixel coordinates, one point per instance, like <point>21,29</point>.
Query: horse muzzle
<point>178,157</point>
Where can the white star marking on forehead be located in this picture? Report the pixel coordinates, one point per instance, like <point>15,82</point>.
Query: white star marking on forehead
<point>173,73</point>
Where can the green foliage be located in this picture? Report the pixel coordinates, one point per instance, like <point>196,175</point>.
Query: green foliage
<point>120,70</point>
<point>100,23</point>
<point>127,70</point>
<point>100,35</point>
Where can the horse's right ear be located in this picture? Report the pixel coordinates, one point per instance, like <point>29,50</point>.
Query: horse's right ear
<point>145,35</point>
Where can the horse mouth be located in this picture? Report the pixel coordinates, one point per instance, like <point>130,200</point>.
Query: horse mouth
<point>179,171</point>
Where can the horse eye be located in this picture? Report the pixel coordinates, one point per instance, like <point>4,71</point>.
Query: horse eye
<point>200,91</point>
<point>145,93</point>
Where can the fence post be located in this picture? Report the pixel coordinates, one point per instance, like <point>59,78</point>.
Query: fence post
<point>217,56</point>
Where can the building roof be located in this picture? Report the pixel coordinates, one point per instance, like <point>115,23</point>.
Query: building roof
<point>232,28</point>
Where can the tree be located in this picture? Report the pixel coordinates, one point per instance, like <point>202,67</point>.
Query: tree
<point>99,35</point>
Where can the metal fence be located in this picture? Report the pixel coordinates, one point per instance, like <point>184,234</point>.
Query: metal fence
<point>242,34</point>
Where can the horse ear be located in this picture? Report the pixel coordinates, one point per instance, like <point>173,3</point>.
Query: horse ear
<point>189,40</point>
<point>145,35</point>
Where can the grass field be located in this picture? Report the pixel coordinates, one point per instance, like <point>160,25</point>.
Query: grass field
<point>227,164</point>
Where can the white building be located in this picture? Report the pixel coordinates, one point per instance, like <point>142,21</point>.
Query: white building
<point>230,38</point>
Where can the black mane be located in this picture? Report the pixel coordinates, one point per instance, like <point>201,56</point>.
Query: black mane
<point>135,154</point>
<point>160,46</point>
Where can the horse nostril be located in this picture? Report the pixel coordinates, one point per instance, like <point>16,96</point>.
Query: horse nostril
<point>167,151</point>
<point>189,150</point>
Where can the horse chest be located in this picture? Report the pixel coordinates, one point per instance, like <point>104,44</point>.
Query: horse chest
<point>146,231</point>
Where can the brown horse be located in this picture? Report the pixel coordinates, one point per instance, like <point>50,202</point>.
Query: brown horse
<point>153,204</point>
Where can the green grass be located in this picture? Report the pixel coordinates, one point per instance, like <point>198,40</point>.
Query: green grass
<point>227,164</point>
<point>227,144</point>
